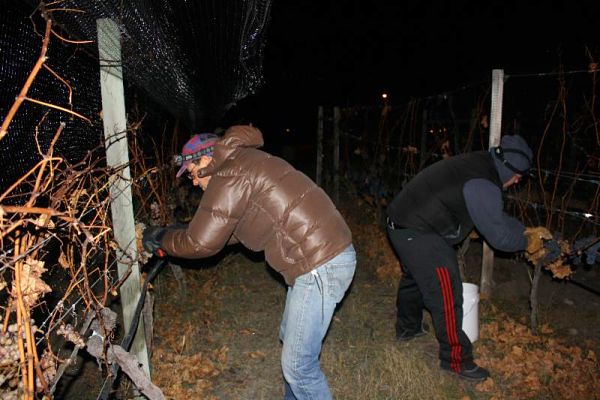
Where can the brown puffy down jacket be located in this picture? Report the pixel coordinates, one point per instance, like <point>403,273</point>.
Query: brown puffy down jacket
<point>265,204</point>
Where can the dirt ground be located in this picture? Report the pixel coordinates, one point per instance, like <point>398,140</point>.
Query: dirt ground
<point>217,336</point>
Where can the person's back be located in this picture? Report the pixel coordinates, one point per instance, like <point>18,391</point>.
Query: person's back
<point>433,200</point>
<point>287,215</point>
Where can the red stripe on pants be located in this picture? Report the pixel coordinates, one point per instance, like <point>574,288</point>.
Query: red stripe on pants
<point>446,311</point>
<point>450,318</point>
<point>456,347</point>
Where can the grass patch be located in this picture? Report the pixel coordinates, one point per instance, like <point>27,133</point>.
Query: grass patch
<point>386,371</point>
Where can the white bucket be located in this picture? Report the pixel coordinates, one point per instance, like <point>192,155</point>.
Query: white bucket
<point>470,324</point>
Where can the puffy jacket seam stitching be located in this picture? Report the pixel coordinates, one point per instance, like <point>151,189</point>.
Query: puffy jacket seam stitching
<point>198,244</point>
<point>221,214</point>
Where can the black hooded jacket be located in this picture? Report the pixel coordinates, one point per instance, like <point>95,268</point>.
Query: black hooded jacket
<point>453,196</point>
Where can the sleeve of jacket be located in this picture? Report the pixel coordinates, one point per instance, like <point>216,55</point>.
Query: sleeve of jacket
<point>220,209</point>
<point>486,208</point>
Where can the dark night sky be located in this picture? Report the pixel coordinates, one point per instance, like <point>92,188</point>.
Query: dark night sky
<point>349,52</point>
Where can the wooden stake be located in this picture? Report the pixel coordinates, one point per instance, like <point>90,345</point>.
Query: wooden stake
<point>487,262</point>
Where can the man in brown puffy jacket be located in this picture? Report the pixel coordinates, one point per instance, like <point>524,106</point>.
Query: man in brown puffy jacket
<point>262,202</point>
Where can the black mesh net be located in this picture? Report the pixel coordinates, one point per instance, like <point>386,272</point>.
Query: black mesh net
<point>20,46</point>
<point>192,59</point>
<point>195,58</point>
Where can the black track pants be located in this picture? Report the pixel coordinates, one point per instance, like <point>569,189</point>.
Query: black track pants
<point>432,280</point>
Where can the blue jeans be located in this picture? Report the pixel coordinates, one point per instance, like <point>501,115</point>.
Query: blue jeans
<point>309,307</point>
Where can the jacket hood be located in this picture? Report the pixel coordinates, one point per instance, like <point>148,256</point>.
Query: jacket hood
<point>238,136</point>
<point>520,159</point>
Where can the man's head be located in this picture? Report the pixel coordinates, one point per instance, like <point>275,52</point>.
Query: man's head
<point>196,153</point>
<point>513,159</point>
<point>198,146</point>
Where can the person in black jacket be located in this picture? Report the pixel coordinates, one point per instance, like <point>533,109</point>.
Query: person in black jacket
<point>436,210</point>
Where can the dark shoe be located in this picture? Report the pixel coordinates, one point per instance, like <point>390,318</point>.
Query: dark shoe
<point>405,336</point>
<point>471,373</point>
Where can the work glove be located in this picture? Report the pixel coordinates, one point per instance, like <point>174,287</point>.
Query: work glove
<point>535,238</point>
<point>152,240</point>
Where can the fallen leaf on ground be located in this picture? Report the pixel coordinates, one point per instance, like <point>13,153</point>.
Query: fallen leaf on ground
<point>256,354</point>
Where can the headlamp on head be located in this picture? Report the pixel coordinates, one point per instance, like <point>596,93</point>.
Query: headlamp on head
<point>499,152</point>
<point>197,146</point>
<point>179,159</point>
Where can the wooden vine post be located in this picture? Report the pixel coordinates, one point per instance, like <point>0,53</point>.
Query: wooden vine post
<point>487,261</point>
<point>117,158</point>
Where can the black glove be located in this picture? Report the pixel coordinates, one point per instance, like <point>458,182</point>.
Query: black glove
<point>152,238</point>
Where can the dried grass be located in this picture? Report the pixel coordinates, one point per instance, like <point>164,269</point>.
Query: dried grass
<point>386,371</point>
